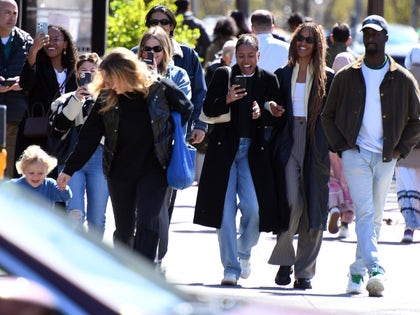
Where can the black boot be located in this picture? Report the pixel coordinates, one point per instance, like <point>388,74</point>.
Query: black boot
<point>283,275</point>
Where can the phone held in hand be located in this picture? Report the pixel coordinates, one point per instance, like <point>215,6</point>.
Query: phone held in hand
<point>240,80</point>
<point>8,82</point>
<point>85,78</point>
<point>42,27</point>
<point>147,57</point>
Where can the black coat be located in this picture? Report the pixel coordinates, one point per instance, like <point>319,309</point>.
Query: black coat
<point>223,145</point>
<point>316,170</point>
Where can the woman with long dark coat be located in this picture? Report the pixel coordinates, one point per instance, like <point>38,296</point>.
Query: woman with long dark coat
<point>304,84</point>
<point>238,160</point>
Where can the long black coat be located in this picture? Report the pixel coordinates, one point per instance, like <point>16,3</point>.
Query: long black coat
<point>223,144</point>
<point>316,170</point>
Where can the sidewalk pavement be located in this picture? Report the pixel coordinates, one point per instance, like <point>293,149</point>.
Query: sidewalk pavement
<point>193,264</point>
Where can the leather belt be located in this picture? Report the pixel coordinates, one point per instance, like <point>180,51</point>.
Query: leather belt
<point>299,118</point>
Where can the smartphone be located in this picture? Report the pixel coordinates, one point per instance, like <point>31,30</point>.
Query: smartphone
<point>42,27</point>
<point>8,82</point>
<point>240,80</point>
<point>147,57</point>
<point>85,78</point>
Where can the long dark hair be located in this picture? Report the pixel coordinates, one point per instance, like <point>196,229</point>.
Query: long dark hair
<point>318,64</point>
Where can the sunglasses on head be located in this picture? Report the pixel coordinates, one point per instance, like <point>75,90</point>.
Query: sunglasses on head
<point>154,48</point>
<point>156,22</point>
<point>309,40</point>
<point>89,57</point>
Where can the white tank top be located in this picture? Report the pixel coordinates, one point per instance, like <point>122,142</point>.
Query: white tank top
<point>299,100</point>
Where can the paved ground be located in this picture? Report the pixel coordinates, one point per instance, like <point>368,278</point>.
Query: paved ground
<point>193,264</point>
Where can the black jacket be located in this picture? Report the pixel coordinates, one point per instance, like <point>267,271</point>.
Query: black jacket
<point>163,97</point>
<point>223,144</point>
<point>15,101</point>
<point>316,170</point>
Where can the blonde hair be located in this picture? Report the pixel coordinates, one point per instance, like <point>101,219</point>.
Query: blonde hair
<point>121,65</point>
<point>33,154</point>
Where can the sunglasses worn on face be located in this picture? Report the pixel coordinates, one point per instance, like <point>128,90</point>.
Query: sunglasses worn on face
<point>156,22</point>
<point>309,40</point>
<point>154,48</point>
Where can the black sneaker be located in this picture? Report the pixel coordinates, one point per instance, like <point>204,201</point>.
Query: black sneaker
<point>283,275</point>
<point>302,284</point>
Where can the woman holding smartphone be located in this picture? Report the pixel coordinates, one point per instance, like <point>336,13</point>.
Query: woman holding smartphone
<point>48,72</point>
<point>69,112</point>
<point>237,164</point>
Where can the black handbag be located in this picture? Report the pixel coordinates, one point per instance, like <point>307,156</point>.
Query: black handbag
<point>36,126</point>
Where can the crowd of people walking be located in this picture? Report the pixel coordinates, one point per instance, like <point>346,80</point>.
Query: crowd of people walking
<point>314,136</point>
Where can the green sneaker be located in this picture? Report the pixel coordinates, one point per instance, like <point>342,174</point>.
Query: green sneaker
<point>355,284</point>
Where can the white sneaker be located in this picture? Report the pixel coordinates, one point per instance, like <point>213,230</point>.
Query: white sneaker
<point>245,268</point>
<point>355,284</point>
<point>343,232</point>
<point>375,285</point>
<point>229,279</point>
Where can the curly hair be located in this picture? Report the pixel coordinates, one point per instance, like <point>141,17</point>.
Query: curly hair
<point>121,65</point>
<point>318,64</point>
<point>69,55</point>
<point>163,38</point>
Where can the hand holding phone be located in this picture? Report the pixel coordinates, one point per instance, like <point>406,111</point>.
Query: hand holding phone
<point>8,82</point>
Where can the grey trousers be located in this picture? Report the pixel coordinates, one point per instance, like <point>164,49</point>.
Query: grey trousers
<point>309,240</point>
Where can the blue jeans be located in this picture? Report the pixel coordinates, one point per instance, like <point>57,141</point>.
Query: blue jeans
<point>90,179</point>
<point>369,179</point>
<point>240,183</point>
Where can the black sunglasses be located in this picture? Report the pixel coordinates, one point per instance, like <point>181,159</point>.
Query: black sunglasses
<point>309,40</point>
<point>156,22</point>
<point>154,48</point>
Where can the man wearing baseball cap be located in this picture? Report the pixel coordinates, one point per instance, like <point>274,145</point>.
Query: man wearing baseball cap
<point>371,118</point>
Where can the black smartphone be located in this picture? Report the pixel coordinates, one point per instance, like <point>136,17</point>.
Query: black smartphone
<point>147,57</point>
<point>240,80</point>
<point>85,78</point>
<point>8,82</point>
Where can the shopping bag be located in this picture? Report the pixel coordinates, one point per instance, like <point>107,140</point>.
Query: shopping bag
<point>181,169</point>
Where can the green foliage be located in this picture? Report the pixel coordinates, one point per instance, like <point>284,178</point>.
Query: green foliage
<point>126,23</point>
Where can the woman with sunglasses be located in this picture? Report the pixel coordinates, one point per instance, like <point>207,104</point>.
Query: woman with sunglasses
<point>48,72</point>
<point>69,112</point>
<point>304,84</point>
<point>156,40</point>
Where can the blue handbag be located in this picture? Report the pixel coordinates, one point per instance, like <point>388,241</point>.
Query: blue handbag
<point>181,168</point>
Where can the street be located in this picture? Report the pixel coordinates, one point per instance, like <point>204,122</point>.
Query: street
<point>193,264</point>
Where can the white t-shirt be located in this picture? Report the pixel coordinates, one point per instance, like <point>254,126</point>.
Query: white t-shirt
<point>371,132</point>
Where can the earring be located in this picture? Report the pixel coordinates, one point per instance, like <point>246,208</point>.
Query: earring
<point>64,52</point>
